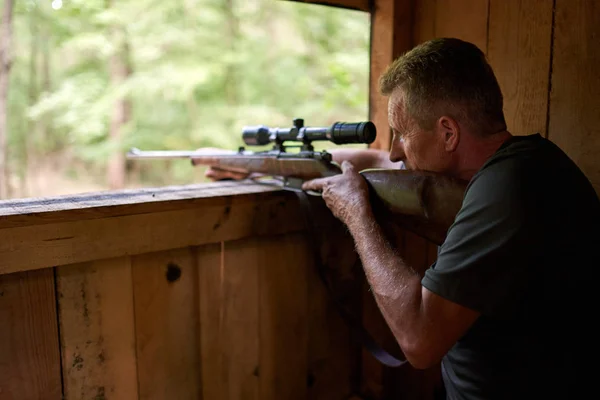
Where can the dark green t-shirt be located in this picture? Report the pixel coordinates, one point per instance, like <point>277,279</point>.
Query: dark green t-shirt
<point>522,251</point>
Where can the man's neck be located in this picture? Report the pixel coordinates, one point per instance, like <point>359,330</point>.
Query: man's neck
<point>477,151</point>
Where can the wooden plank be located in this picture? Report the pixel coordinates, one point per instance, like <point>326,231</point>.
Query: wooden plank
<point>31,247</point>
<point>574,120</point>
<point>29,346</point>
<point>391,34</point>
<point>361,5</point>
<point>39,211</point>
<point>283,261</point>
<point>519,44</point>
<point>97,330</point>
<point>229,315</point>
<point>463,19</point>
<point>166,308</point>
<point>334,355</point>
<point>424,21</point>
<point>211,284</point>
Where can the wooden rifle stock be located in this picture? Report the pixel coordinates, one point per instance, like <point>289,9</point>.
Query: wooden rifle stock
<point>422,202</point>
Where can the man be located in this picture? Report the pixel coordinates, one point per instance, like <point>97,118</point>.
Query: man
<point>507,306</point>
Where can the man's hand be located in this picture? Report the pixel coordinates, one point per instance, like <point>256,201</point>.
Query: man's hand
<point>216,174</point>
<point>346,194</point>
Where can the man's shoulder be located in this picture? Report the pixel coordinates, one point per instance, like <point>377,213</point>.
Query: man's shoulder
<point>518,153</point>
<point>523,164</point>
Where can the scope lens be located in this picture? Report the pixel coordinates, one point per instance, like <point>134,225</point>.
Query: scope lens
<point>256,135</point>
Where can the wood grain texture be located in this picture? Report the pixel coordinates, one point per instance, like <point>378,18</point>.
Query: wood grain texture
<point>39,211</point>
<point>519,47</point>
<point>229,315</point>
<point>283,261</point>
<point>463,19</point>
<point>574,119</point>
<point>167,324</point>
<point>209,261</point>
<point>29,346</point>
<point>391,35</point>
<point>424,21</point>
<point>334,355</point>
<point>97,330</point>
<point>38,246</point>
<point>382,37</point>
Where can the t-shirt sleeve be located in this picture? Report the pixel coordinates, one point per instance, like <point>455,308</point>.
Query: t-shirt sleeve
<point>483,264</point>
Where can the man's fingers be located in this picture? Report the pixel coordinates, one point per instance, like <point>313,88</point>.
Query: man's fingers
<point>219,174</point>
<point>315,184</point>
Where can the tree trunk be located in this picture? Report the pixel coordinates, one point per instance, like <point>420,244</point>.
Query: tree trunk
<point>232,92</point>
<point>119,71</point>
<point>5,64</point>
<point>30,136</point>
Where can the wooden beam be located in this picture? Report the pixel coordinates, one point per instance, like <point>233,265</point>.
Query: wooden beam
<point>574,120</point>
<point>41,211</point>
<point>391,35</point>
<point>361,5</point>
<point>117,226</point>
<point>522,30</point>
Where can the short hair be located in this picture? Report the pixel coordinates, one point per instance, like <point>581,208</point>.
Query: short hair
<point>447,76</point>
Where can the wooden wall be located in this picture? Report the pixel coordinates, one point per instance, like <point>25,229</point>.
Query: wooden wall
<point>544,52</point>
<point>190,315</point>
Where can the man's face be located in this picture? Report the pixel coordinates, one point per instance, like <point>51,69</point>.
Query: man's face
<point>419,149</point>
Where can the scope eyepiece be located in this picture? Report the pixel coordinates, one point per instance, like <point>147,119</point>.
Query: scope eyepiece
<point>360,132</point>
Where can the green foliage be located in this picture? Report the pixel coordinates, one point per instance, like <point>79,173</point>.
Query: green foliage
<point>200,70</point>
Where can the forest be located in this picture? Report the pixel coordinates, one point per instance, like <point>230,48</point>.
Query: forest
<point>82,81</point>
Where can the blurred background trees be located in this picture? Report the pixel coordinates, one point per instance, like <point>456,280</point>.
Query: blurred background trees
<point>91,78</point>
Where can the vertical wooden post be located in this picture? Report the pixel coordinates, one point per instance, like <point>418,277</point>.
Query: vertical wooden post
<point>391,35</point>
<point>29,353</point>
<point>573,119</point>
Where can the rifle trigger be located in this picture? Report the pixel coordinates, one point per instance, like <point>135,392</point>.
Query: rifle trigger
<point>291,183</point>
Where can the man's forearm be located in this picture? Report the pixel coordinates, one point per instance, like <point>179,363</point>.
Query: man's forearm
<point>396,286</point>
<point>363,158</point>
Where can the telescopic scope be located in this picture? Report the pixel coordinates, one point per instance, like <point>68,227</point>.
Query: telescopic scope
<point>338,133</point>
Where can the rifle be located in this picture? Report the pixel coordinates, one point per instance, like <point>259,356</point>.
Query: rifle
<point>422,202</point>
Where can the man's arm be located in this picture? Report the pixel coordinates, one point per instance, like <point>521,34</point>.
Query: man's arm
<point>364,158</point>
<point>424,324</point>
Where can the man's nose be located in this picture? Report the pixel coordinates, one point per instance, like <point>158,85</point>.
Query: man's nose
<point>397,151</point>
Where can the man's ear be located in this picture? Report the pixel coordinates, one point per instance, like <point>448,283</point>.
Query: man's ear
<point>449,128</point>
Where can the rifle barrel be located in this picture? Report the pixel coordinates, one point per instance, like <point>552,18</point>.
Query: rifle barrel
<point>135,153</point>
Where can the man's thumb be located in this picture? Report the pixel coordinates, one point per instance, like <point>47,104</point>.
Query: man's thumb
<point>347,166</point>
